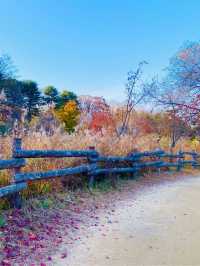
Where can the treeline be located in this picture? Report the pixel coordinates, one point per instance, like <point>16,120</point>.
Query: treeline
<point>22,101</point>
<point>173,103</point>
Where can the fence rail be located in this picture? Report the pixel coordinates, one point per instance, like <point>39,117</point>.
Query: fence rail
<point>132,163</point>
<point>51,174</point>
<point>52,153</point>
<point>7,164</point>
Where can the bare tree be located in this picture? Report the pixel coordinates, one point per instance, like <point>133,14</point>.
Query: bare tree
<point>134,96</point>
<point>181,86</point>
<point>7,69</point>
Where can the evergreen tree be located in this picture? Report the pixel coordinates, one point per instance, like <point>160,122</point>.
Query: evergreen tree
<point>51,95</point>
<point>31,97</point>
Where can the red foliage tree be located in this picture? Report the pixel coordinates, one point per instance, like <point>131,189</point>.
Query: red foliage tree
<point>100,120</point>
<point>95,112</point>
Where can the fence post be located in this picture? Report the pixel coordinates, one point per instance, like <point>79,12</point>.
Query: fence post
<point>93,165</point>
<point>15,199</point>
<point>158,157</point>
<point>135,174</point>
<point>194,157</point>
<point>179,161</point>
<point>112,177</point>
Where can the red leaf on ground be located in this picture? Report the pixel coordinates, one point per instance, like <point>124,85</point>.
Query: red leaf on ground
<point>6,263</point>
<point>32,236</point>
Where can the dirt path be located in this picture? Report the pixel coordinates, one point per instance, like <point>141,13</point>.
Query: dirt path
<point>161,226</point>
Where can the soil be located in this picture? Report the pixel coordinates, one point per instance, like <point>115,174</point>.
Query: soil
<point>160,226</point>
<point>150,221</point>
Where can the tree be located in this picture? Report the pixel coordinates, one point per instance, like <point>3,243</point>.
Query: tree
<point>7,73</point>
<point>143,123</point>
<point>7,69</point>
<point>10,93</point>
<point>181,86</point>
<point>65,106</point>
<point>65,97</point>
<point>51,95</point>
<point>31,97</point>
<point>5,116</point>
<point>100,120</point>
<point>167,124</point>
<point>177,128</point>
<point>134,96</point>
<point>47,122</point>
<point>68,115</point>
<point>172,121</point>
<point>184,70</point>
<point>14,99</point>
<point>13,93</point>
<point>95,113</point>
<point>23,99</point>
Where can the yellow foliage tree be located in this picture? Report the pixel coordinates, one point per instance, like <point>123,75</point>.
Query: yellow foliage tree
<point>68,114</point>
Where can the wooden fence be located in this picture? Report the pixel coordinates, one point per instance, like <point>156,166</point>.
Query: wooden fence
<point>96,165</point>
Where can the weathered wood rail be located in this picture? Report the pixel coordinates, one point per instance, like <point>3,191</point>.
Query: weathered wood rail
<point>97,165</point>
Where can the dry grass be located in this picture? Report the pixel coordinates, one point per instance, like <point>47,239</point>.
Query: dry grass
<point>106,144</point>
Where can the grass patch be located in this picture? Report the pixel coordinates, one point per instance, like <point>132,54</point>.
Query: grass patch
<point>2,221</point>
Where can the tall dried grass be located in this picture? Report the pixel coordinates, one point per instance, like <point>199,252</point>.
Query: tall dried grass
<point>105,143</point>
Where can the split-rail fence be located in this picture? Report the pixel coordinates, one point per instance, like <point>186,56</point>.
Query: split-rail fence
<point>97,165</point>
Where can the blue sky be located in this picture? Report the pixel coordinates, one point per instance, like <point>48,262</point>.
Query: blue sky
<point>88,46</point>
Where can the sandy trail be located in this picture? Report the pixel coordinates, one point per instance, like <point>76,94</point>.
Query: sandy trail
<point>161,226</point>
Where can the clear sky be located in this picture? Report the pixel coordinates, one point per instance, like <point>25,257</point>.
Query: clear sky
<point>88,46</point>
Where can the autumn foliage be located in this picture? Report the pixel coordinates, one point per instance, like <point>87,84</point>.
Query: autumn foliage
<point>95,114</point>
<point>100,120</point>
<point>68,115</point>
